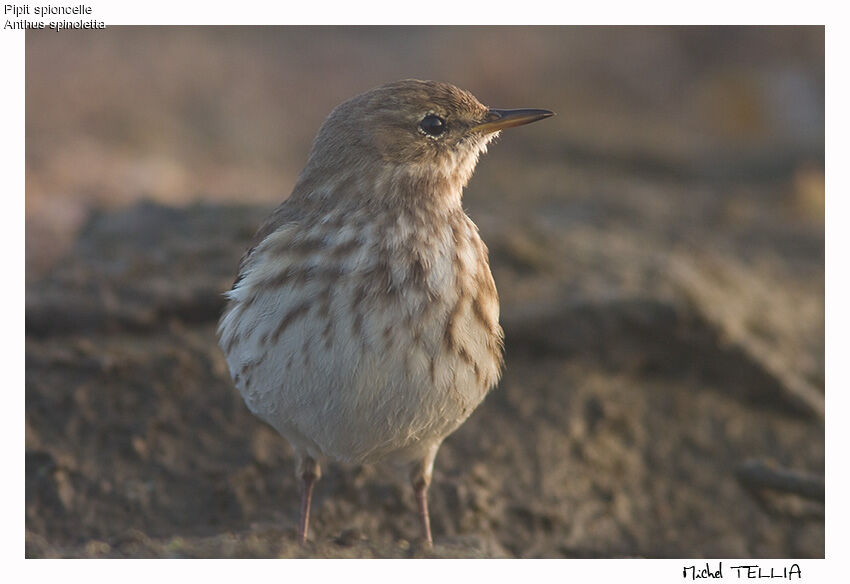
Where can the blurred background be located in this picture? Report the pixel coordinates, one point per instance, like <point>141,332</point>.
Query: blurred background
<point>658,249</point>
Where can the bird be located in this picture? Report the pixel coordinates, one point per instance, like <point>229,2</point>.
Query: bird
<point>363,324</point>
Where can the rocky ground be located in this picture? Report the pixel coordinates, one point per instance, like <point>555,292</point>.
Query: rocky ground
<point>662,285</point>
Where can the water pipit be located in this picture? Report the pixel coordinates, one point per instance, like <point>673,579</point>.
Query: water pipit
<point>364,321</point>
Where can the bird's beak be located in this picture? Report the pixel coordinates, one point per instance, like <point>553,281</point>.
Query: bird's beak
<point>497,119</point>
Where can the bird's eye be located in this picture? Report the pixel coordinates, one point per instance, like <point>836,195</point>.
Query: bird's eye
<point>432,125</point>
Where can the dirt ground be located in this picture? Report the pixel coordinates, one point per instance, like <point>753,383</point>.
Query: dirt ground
<point>658,249</point>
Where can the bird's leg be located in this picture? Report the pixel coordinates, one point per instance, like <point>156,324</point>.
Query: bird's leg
<point>309,472</point>
<point>420,489</point>
<point>420,478</point>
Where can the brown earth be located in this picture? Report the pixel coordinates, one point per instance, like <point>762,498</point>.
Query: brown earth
<point>658,248</point>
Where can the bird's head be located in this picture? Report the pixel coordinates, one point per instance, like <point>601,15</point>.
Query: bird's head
<point>411,133</point>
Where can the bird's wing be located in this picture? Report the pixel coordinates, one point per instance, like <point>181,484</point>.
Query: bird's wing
<point>285,213</point>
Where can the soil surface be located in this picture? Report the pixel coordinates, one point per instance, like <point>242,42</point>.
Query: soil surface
<point>658,249</point>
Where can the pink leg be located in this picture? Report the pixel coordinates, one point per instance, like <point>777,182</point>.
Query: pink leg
<point>420,489</point>
<point>310,472</point>
<point>420,478</point>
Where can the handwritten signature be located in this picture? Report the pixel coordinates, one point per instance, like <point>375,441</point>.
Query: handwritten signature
<point>743,571</point>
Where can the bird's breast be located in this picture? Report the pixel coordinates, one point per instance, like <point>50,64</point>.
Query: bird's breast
<point>369,337</point>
